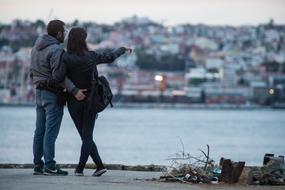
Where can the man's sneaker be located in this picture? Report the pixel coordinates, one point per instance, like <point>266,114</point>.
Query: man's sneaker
<point>38,170</point>
<point>99,172</point>
<point>54,170</point>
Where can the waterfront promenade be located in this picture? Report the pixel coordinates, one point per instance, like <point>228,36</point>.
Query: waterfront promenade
<point>22,179</point>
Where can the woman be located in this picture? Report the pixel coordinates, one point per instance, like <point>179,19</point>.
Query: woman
<point>80,64</point>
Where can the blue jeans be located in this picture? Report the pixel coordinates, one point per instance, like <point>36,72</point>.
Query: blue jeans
<point>48,121</point>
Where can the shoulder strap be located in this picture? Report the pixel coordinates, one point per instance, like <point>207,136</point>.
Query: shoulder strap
<point>94,73</point>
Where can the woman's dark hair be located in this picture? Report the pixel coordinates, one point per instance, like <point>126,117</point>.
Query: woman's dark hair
<point>54,27</point>
<point>77,40</point>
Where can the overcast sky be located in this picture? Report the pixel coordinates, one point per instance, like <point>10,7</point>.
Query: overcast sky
<point>214,12</point>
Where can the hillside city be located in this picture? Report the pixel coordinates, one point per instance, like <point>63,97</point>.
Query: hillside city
<point>172,64</point>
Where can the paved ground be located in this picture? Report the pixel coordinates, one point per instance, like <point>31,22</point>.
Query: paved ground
<point>22,179</point>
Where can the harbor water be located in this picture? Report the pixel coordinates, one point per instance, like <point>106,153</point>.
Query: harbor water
<point>151,135</point>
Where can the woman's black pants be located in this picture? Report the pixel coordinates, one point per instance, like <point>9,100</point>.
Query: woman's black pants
<point>85,126</point>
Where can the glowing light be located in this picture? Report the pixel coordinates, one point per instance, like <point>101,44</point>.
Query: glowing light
<point>271,91</point>
<point>158,78</point>
<point>178,93</point>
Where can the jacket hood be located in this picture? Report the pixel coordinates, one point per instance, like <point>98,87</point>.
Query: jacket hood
<point>45,41</point>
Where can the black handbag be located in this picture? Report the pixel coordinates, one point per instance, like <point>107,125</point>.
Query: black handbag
<point>100,93</point>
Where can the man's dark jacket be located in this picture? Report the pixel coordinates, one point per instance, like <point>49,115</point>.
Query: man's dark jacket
<point>46,63</point>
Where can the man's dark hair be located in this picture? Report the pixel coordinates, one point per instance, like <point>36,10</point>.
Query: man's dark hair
<point>77,40</point>
<point>54,27</point>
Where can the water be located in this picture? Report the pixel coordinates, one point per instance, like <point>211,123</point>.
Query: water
<point>150,136</point>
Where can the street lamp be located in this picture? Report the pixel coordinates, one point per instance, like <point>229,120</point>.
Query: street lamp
<point>158,78</point>
<point>162,84</point>
<point>271,91</point>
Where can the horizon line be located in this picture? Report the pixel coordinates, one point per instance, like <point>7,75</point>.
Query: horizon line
<point>153,20</point>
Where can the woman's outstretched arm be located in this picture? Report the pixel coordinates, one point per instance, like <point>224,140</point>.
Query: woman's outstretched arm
<point>108,56</point>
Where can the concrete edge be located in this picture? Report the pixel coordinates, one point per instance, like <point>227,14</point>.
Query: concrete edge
<point>152,168</point>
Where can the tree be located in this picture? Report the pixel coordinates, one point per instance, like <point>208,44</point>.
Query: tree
<point>166,62</point>
<point>40,23</point>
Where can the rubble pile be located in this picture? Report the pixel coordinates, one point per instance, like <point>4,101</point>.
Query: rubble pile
<point>191,169</point>
<point>272,172</point>
<point>187,173</point>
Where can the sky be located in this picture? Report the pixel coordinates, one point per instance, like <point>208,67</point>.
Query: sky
<point>168,12</point>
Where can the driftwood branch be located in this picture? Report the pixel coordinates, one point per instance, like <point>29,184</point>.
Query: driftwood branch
<point>206,155</point>
<point>182,144</point>
<point>182,164</point>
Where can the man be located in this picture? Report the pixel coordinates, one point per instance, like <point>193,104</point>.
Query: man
<point>47,73</point>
